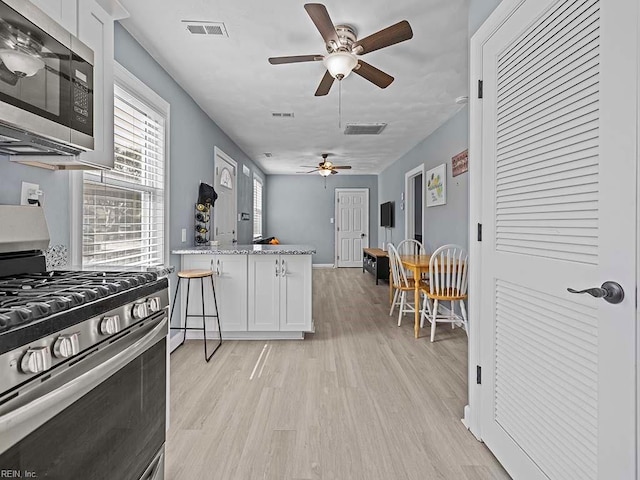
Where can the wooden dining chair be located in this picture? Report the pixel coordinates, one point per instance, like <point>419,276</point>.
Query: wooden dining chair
<point>401,284</point>
<point>410,246</point>
<point>448,281</point>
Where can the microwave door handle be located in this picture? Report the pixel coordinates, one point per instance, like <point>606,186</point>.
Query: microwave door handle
<point>16,423</point>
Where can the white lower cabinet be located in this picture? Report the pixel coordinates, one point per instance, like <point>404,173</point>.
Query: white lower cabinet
<point>280,293</point>
<point>259,296</point>
<point>231,291</point>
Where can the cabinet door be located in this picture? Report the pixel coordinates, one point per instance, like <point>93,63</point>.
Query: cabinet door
<point>231,291</point>
<point>264,293</point>
<point>62,11</point>
<point>295,293</point>
<point>95,28</point>
<point>195,289</point>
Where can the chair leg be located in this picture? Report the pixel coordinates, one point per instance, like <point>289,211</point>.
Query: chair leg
<point>463,309</point>
<point>215,303</point>
<point>186,313</point>
<point>403,295</point>
<point>426,310</point>
<point>433,322</point>
<point>394,302</point>
<point>173,305</point>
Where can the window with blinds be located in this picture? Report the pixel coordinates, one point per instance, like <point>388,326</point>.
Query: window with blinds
<point>123,209</point>
<point>257,208</point>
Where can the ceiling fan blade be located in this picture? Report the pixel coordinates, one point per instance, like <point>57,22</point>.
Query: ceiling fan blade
<point>295,59</point>
<point>342,167</point>
<point>375,76</point>
<point>325,84</point>
<point>322,20</point>
<point>314,170</point>
<point>397,33</point>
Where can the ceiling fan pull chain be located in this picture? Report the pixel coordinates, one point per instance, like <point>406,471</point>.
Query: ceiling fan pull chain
<point>339,104</point>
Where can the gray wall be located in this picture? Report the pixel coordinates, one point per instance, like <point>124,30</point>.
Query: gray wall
<point>446,223</point>
<point>193,136</point>
<point>300,209</point>
<point>479,10</point>
<point>55,186</point>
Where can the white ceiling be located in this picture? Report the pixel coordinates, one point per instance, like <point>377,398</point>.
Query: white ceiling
<point>231,79</point>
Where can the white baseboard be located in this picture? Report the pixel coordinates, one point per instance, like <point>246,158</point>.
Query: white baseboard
<point>323,265</point>
<point>174,341</point>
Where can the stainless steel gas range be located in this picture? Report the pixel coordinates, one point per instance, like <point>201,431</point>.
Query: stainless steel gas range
<point>82,366</point>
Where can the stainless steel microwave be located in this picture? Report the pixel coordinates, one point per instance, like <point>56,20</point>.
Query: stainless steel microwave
<point>46,85</point>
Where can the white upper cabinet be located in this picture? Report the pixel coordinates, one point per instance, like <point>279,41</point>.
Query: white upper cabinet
<point>62,11</point>
<point>95,29</point>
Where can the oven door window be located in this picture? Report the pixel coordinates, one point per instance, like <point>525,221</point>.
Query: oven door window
<point>34,68</point>
<point>110,433</point>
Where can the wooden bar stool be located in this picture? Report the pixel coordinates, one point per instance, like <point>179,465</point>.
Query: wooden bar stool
<point>201,274</point>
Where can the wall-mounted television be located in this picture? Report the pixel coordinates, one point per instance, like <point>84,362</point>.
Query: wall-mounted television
<point>386,214</point>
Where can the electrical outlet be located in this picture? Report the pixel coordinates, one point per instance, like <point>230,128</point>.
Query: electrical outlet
<point>331,220</point>
<point>30,194</point>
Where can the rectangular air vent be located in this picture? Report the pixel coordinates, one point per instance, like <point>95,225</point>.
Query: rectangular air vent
<point>282,114</point>
<point>364,128</point>
<point>216,29</point>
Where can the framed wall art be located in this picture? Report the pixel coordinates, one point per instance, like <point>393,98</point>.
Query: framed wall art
<point>437,186</point>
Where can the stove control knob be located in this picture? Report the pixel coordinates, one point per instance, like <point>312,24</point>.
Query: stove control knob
<point>110,325</point>
<point>66,345</point>
<point>153,304</point>
<point>139,310</point>
<point>36,360</point>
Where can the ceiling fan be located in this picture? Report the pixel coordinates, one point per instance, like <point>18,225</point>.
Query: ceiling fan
<point>325,167</point>
<point>343,47</point>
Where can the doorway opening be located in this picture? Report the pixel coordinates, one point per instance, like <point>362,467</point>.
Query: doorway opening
<point>414,204</point>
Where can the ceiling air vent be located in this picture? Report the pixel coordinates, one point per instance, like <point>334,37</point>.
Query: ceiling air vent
<point>268,154</point>
<point>364,128</point>
<point>282,115</point>
<point>216,29</point>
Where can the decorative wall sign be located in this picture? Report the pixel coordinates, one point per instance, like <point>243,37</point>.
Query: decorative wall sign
<point>437,186</point>
<point>460,163</point>
<point>244,216</point>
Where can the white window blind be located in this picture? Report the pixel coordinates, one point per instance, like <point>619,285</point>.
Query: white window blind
<point>257,208</point>
<point>123,209</point>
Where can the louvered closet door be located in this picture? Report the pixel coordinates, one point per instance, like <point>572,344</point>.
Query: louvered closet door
<point>559,155</point>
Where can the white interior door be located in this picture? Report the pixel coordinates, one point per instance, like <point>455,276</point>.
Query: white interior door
<point>225,221</point>
<point>352,226</point>
<point>559,155</point>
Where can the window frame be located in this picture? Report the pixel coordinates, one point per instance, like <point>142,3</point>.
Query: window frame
<point>138,89</point>
<point>260,180</point>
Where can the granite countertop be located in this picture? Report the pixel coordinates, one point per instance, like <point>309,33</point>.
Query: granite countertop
<point>246,250</point>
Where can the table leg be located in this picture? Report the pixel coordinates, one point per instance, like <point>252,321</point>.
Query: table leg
<point>416,300</point>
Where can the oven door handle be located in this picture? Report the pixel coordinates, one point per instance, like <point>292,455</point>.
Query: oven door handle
<point>16,422</point>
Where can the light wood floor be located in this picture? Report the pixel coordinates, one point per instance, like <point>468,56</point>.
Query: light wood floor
<point>360,399</point>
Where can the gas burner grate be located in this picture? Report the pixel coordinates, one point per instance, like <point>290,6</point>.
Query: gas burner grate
<point>28,297</point>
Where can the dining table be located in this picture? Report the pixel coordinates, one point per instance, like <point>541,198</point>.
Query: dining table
<point>418,265</point>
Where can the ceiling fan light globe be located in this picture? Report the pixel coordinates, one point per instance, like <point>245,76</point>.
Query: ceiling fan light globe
<point>325,172</point>
<point>340,64</point>
<point>22,64</point>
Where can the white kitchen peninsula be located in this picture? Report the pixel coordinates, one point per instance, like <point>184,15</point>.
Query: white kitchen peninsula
<point>264,292</point>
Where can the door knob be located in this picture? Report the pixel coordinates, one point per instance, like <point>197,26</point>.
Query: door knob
<point>363,235</point>
<point>612,292</point>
